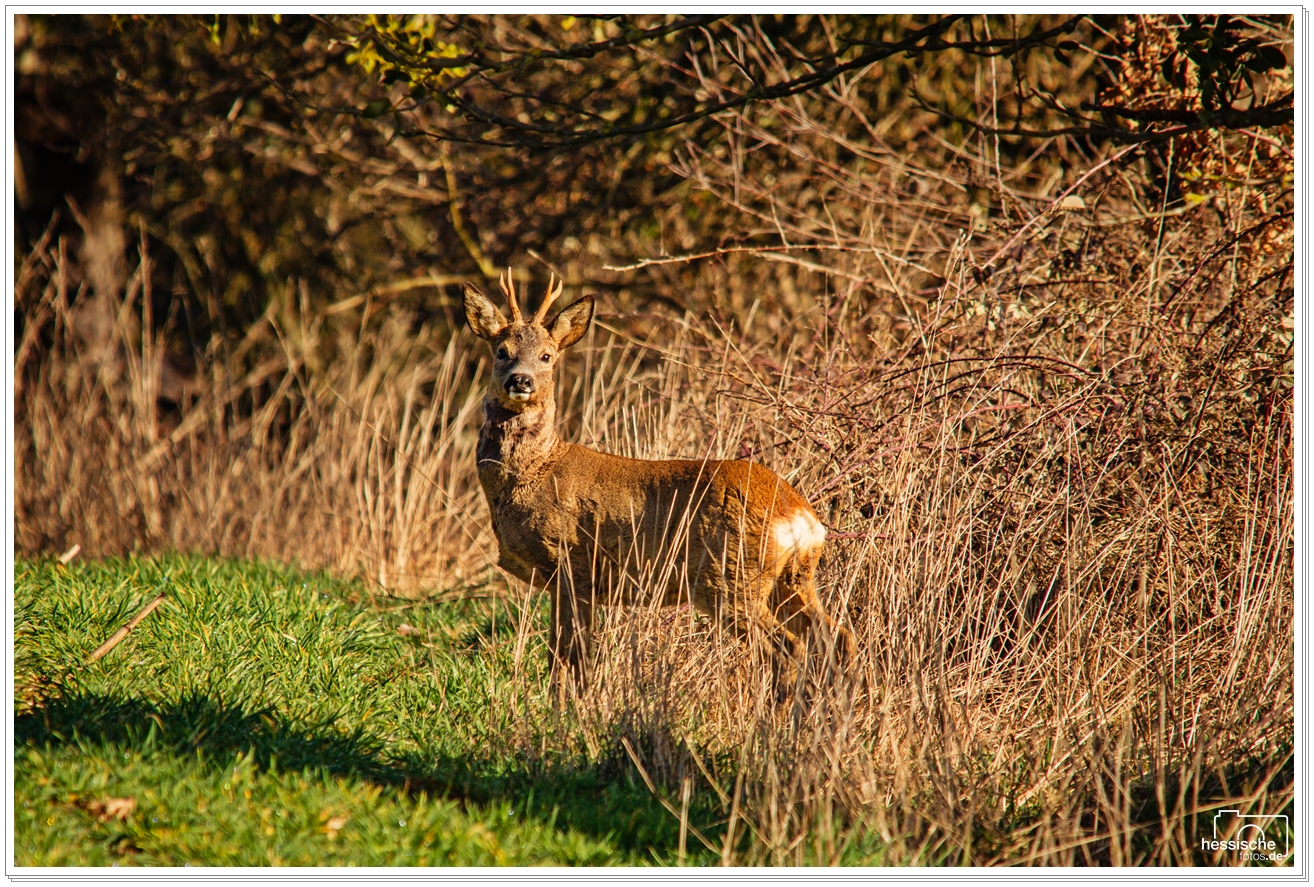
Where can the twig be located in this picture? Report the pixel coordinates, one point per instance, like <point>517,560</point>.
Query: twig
<point>765,252</point>
<point>670,808</point>
<point>123,632</point>
<point>1219,251</point>
<point>862,534</point>
<point>1056,202</point>
<point>454,205</point>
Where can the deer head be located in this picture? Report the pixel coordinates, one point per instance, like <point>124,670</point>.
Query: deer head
<point>525,352</point>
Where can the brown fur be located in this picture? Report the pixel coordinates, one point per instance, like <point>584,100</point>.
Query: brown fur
<point>732,538</point>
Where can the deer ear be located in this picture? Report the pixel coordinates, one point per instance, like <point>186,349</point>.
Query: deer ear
<point>482,315</point>
<point>570,325</point>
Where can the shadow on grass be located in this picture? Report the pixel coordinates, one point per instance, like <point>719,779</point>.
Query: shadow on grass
<point>603,801</point>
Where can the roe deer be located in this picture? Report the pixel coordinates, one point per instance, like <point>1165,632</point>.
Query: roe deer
<point>731,537</point>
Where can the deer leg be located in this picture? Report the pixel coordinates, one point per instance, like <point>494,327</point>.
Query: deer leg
<point>572,625</point>
<point>795,604</point>
<point>748,615</point>
<point>786,648</point>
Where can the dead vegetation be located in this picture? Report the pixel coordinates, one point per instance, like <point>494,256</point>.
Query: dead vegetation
<point>1044,408</point>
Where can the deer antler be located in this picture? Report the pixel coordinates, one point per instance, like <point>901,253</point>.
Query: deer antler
<point>552,293</point>
<point>509,290</point>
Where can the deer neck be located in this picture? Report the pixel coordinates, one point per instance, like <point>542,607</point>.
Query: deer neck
<point>515,444</point>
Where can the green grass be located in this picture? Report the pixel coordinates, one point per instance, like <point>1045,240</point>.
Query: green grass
<point>266,716</point>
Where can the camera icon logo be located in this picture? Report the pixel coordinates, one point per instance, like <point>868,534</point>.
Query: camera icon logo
<point>1258,836</point>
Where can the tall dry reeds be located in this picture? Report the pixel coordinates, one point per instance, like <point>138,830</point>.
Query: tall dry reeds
<point>1051,439</point>
<point>1075,637</point>
<point>357,462</point>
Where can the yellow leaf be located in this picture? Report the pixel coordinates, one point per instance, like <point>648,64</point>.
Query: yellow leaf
<point>105,809</point>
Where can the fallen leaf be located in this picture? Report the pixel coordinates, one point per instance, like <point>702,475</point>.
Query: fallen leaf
<point>407,630</point>
<point>335,825</point>
<point>105,809</point>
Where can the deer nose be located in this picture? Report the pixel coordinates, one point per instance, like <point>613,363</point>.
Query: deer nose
<point>519,383</point>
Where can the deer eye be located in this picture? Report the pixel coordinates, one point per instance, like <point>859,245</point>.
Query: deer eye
<point>501,354</point>
<point>546,357</point>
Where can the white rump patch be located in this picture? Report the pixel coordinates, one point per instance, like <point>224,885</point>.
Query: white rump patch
<point>799,533</point>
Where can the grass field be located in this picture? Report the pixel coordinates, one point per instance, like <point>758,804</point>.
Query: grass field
<point>264,716</point>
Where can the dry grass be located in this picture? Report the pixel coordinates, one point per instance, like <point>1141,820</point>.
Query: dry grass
<point>362,464</point>
<point>1075,634</point>
<point>1054,450</point>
